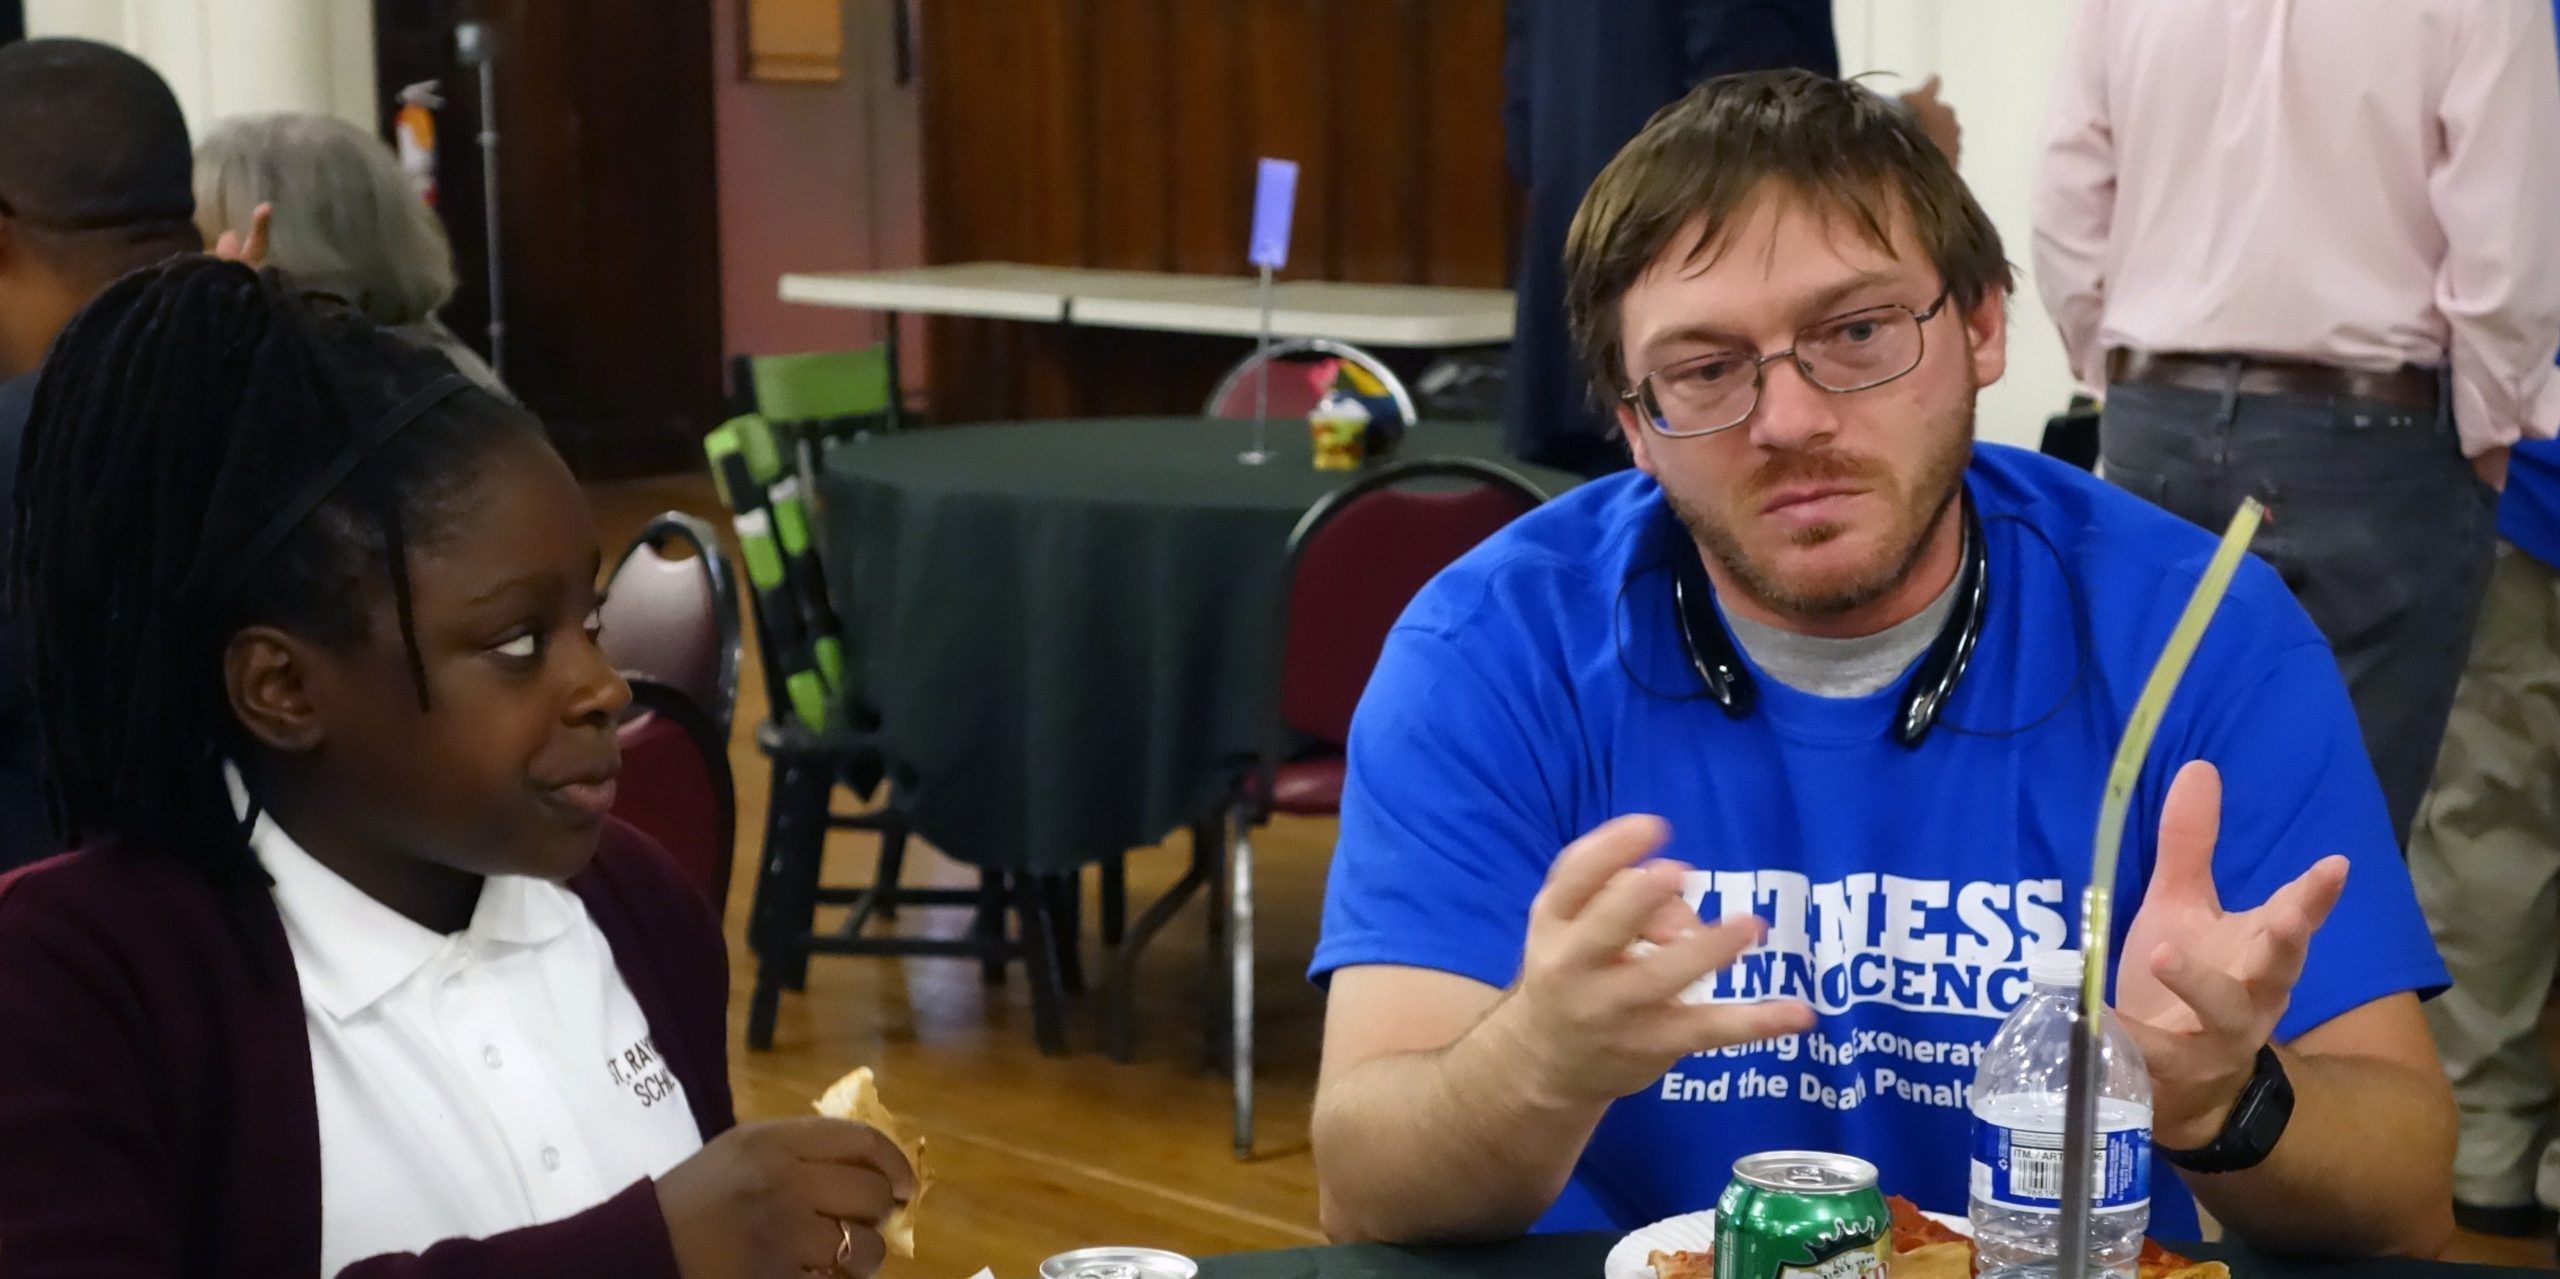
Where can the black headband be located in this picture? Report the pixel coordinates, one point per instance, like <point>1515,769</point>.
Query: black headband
<point>291,515</point>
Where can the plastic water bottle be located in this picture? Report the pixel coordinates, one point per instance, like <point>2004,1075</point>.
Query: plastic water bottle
<point>2018,1109</point>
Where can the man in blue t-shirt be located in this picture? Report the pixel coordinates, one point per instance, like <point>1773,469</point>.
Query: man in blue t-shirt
<point>1862,679</point>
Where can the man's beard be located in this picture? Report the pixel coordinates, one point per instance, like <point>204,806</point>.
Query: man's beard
<point>1916,513</point>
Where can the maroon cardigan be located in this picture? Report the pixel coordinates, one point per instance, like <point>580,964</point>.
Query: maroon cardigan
<point>156,1112</point>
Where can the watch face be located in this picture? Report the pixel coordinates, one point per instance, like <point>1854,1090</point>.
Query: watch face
<point>2257,1122</point>
<point>2270,1102</point>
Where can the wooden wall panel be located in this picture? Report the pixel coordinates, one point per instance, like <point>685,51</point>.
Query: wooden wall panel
<point>1205,121</point>
<point>1051,43</point>
<point>1130,145</point>
<point>1290,87</point>
<point>1123,133</point>
<point>1470,205</point>
<point>1374,113</point>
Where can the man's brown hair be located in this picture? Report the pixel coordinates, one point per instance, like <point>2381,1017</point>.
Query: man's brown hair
<point>1841,148</point>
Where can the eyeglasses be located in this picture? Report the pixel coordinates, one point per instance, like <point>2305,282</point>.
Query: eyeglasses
<point>1852,352</point>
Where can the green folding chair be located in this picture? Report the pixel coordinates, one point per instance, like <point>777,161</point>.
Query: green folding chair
<point>819,735</point>
<point>831,393</point>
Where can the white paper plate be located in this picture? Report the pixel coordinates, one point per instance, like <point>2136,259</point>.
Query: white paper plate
<point>1696,1232</point>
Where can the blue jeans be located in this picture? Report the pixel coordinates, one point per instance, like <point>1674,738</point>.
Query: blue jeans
<point>2378,524</point>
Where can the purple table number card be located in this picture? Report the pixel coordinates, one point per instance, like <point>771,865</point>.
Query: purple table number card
<point>1275,200</point>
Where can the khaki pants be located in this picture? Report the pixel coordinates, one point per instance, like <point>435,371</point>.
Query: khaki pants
<point>2485,855</point>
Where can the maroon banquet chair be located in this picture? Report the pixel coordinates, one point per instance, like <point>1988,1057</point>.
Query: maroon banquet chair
<point>676,786</point>
<point>674,618</point>
<point>1301,372</point>
<point>1356,559</point>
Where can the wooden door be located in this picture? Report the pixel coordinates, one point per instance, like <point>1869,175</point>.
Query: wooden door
<point>608,212</point>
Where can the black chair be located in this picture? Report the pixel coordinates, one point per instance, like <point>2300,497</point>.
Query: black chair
<point>820,735</point>
<point>2072,435</point>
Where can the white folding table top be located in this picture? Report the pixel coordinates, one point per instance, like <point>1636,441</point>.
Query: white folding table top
<point>995,290</point>
<point>1371,314</point>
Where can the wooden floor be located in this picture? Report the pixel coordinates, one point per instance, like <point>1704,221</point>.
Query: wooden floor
<point>1033,1156</point>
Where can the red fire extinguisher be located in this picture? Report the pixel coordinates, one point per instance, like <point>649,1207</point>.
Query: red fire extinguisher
<point>413,127</point>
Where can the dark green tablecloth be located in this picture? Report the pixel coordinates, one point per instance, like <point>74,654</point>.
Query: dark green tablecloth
<point>1580,1257</point>
<point>1066,627</point>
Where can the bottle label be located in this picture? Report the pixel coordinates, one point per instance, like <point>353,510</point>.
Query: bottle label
<point>2021,1168</point>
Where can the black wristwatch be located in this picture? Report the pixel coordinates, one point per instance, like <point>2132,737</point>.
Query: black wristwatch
<point>2249,1134</point>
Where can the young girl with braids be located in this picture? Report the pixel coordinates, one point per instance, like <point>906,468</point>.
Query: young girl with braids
<point>351,974</point>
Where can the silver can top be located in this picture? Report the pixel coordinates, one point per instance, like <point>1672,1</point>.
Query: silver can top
<point>1806,1172</point>
<point>1119,1263</point>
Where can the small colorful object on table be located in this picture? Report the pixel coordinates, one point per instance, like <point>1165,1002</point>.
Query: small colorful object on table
<point>1339,430</point>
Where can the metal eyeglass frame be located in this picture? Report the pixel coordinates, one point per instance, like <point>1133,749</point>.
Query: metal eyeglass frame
<point>1642,398</point>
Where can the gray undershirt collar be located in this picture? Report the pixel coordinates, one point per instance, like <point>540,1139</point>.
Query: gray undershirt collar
<point>1844,667</point>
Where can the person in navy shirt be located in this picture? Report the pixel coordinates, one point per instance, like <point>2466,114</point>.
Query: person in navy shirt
<point>1718,806</point>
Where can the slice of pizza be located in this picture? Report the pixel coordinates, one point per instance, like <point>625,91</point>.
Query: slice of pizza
<point>1952,1260</point>
<point>857,1097</point>
<point>2157,1262</point>
<point>1683,1265</point>
<point>1914,1229</point>
<point>2200,1270</point>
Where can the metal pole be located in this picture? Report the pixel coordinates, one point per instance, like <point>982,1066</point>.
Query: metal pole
<point>478,48</point>
<point>1261,451</point>
<point>2080,1136</point>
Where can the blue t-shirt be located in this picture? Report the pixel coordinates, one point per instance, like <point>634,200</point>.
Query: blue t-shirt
<point>2529,509</point>
<point>1538,688</point>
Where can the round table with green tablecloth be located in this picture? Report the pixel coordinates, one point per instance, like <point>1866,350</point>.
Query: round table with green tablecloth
<point>1067,628</point>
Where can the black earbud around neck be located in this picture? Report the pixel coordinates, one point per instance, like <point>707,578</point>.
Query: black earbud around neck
<point>1728,678</point>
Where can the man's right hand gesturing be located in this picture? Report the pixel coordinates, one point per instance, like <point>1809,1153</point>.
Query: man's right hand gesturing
<point>1588,1021</point>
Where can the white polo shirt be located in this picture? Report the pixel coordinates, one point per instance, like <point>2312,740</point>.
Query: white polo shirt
<point>468,1085</point>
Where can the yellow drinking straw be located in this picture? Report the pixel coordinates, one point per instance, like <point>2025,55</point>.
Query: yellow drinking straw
<point>2097,902</point>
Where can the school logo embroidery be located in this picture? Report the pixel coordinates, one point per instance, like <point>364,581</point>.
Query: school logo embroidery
<point>640,1069</point>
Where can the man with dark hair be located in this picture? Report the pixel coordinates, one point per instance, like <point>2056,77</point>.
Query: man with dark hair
<point>1863,677</point>
<point>1579,78</point>
<point>96,179</point>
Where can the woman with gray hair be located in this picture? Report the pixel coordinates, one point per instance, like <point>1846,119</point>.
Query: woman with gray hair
<point>346,223</point>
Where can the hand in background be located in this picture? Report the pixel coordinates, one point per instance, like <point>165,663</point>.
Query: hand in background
<point>252,252</point>
<point>1937,119</point>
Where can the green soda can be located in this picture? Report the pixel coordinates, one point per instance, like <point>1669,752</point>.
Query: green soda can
<point>1802,1214</point>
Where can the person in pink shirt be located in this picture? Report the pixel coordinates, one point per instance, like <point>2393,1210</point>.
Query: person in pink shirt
<point>2306,254</point>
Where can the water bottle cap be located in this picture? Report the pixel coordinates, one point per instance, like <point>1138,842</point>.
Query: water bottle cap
<point>2054,968</point>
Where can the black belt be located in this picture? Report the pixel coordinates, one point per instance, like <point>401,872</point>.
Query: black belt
<point>2409,387</point>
